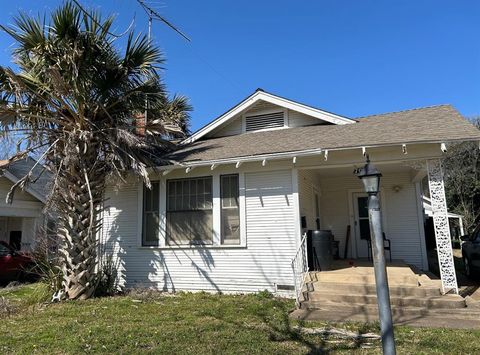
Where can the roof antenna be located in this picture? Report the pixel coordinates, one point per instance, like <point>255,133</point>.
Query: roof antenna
<point>154,15</point>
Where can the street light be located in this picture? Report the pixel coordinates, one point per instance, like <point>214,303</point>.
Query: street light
<point>370,177</point>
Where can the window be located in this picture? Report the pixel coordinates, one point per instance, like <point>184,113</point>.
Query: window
<point>189,211</point>
<point>151,216</point>
<point>230,210</point>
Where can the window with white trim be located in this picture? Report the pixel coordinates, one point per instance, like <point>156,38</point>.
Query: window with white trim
<point>151,214</point>
<point>230,209</point>
<point>189,211</point>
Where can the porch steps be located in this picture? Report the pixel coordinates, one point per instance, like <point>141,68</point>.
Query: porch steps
<point>359,301</point>
<point>369,289</point>
<point>462,318</point>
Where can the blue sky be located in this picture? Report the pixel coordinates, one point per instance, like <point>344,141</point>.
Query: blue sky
<point>349,57</point>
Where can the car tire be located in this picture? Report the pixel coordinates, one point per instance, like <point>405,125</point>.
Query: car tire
<point>466,263</point>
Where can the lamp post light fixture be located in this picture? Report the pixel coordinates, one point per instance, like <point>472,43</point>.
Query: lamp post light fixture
<point>370,177</point>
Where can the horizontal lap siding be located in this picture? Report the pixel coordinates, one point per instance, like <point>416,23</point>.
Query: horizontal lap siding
<point>262,264</point>
<point>306,182</point>
<point>400,209</point>
<point>297,119</point>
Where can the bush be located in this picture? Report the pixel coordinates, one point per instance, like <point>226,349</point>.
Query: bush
<point>107,284</point>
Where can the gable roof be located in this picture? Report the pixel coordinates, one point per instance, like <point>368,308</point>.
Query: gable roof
<point>433,124</point>
<point>18,169</point>
<point>261,95</point>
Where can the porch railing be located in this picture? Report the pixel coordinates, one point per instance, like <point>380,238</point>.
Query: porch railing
<point>300,269</point>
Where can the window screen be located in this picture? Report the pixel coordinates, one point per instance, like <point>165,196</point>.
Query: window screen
<point>229,193</point>
<point>151,219</point>
<point>189,211</point>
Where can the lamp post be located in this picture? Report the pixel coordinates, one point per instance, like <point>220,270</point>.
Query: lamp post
<point>370,177</point>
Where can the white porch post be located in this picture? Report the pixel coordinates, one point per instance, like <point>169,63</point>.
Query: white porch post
<point>442,228</point>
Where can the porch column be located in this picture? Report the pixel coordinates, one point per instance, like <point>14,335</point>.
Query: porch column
<point>442,228</point>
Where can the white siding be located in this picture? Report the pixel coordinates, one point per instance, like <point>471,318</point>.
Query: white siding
<point>399,208</point>
<point>264,262</point>
<point>231,129</point>
<point>307,182</point>
<point>20,195</point>
<point>297,119</point>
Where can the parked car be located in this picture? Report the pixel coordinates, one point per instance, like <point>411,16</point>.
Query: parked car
<point>14,265</point>
<point>471,253</point>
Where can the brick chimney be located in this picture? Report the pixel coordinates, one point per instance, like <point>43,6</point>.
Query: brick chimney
<point>140,124</point>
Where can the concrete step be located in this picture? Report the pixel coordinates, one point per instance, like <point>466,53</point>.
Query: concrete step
<point>406,316</point>
<point>319,299</point>
<point>345,278</point>
<point>370,289</point>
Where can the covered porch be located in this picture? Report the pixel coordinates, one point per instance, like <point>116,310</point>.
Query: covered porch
<point>18,231</point>
<point>333,198</point>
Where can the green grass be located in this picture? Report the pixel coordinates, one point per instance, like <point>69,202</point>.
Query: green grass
<point>191,323</point>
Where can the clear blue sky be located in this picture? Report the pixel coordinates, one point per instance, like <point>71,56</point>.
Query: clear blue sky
<point>350,57</point>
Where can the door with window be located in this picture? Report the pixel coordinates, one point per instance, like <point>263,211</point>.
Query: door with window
<point>361,224</point>
<point>316,207</point>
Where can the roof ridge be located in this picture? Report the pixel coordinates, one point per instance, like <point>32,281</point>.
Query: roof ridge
<point>406,110</point>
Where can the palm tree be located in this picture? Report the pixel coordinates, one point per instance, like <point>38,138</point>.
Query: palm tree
<point>76,98</point>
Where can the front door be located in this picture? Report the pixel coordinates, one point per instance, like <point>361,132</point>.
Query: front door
<point>362,224</point>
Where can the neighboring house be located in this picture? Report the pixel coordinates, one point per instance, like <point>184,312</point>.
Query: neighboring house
<point>455,220</point>
<point>226,214</point>
<point>21,219</point>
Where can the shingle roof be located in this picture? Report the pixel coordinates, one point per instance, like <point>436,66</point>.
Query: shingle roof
<point>21,167</point>
<point>422,125</point>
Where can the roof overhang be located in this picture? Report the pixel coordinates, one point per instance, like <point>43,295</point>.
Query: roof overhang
<point>295,155</point>
<point>273,99</point>
<point>28,189</point>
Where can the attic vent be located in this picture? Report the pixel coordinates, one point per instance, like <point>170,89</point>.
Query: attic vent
<point>265,121</point>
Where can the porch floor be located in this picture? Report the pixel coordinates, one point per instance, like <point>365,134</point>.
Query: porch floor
<point>361,271</point>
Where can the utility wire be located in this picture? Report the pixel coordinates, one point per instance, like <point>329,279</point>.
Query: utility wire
<point>99,24</point>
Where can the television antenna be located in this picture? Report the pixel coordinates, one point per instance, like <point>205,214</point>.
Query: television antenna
<point>154,15</point>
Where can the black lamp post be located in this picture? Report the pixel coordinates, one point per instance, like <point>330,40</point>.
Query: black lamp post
<point>370,177</point>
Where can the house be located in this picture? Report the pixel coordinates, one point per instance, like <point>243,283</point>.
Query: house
<point>229,210</point>
<point>21,219</point>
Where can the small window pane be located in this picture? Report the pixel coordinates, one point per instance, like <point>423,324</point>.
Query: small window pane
<point>363,207</point>
<point>151,221</point>
<point>189,218</point>
<point>230,213</point>
<point>364,229</point>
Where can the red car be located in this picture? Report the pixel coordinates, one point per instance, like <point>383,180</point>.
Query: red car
<point>14,265</point>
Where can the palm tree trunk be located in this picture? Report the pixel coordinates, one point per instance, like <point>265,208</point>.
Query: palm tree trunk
<point>80,188</point>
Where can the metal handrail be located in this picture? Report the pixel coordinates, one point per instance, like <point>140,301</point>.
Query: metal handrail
<point>300,269</point>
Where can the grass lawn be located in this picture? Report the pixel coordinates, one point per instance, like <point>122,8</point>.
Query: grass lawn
<point>190,323</point>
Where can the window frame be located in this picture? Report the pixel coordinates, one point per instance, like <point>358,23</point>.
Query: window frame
<point>191,242</point>
<point>179,174</point>
<point>222,208</point>
<point>143,213</point>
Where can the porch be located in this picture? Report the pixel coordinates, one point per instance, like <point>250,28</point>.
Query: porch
<point>333,198</point>
<point>18,231</point>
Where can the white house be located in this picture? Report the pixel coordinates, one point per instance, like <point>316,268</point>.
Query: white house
<point>225,214</point>
<point>21,219</point>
